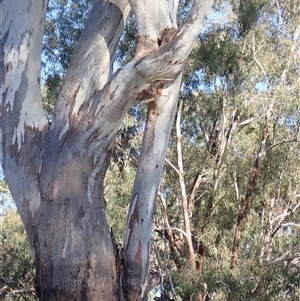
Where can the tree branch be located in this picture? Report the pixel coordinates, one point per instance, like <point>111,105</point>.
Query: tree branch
<point>91,64</point>
<point>280,143</point>
<point>23,122</point>
<point>172,165</point>
<point>168,228</point>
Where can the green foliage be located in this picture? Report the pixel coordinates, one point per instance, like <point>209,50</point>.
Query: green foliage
<point>248,14</point>
<point>126,47</point>
<point>5,197</point>
<point>16,265</point>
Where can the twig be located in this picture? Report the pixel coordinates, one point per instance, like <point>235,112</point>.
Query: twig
<point>155,228</point>
<point>291,224</point>
<point>172,165</point>
<point>281,142</point>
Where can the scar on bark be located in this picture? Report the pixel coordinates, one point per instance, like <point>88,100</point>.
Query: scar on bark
<point>151,93</point>
<point>145,44</point>
<point>167,35</point>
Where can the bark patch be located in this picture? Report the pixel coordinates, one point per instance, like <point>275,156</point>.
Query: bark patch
<point>151,93</point>
<point>167,35</point>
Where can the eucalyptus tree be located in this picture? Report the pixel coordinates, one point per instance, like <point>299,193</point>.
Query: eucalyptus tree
<point>55,170</point>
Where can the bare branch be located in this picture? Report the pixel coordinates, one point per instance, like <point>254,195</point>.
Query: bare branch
<point>257,61</point>
<point>172,165</point>
<point>283,256</point>
<point>236,187</point>
<point>91,64</point>
<point>155,228</point>
<point>285,213</point>
<point>281,142</point>
<point>200,179</point>
<point>139,220</point>
<point>291,224</point>
<point>168,228</point>
<point>175,53</point>
<point>292,50</point>
<point>251,185</point>
<point>247,121</point>
<point>23,122</point>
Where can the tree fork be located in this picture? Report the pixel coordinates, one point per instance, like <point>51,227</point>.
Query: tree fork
<point>56,173</point>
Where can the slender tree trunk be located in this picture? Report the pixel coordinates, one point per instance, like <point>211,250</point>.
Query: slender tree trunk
<point>185,205</point>
<point>139,223</point>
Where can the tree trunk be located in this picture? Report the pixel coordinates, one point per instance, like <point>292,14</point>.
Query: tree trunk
<point>56,171</point>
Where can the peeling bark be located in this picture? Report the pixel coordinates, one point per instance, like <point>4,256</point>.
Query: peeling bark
<point>154,19</point>
<point>23,122</point>
<point>139,222</point>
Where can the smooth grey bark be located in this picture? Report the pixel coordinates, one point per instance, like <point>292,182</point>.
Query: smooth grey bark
<point>162,98</point>
<point>78,151</point>
<point>55,182</point>
<point>137,240</point>
<point>159,121</point>
<point>23,123</point>
<point>56,172</point>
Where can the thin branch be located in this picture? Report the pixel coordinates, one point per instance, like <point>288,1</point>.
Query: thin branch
<point>169,233</point>
<point>282,215</point>
<point>296,207</point>
<point>251,185</point>
<point>7,290</point>
<point>220,200</point>
<point>236,187</point>
<point>247,121</point>
<point>286,213</point>
<point>257,61</point>
<point>291,224</point>
<point>283,256</point>
<point>155,228</point>
<point>285,71</point>
<point>172,165</point>
<point>225,140</point>
<point>166,269</point>
<point>281,142</point>
<point>200,178</point>
<point>294,260</point>
<point>255,291</point>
